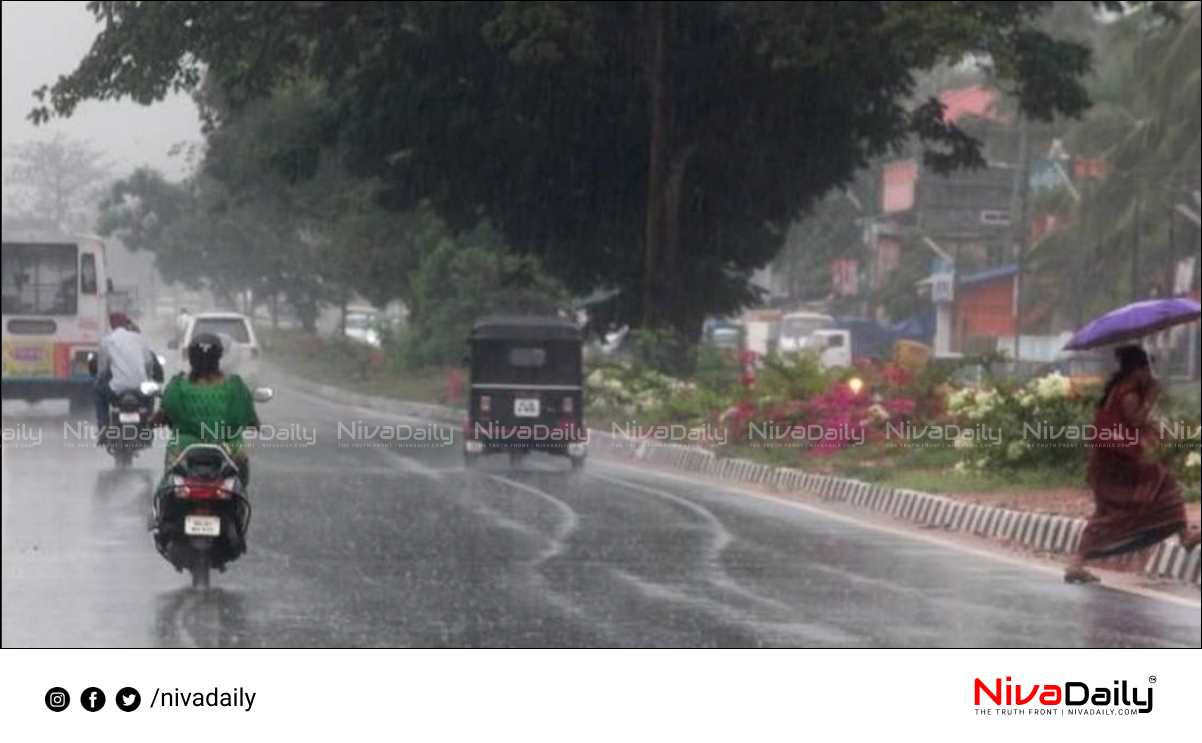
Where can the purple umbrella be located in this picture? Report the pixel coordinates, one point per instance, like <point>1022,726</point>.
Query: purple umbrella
<point>1135,321</point>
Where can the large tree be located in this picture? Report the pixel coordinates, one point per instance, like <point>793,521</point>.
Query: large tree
<point>659,148</point>
<point>55,180</point>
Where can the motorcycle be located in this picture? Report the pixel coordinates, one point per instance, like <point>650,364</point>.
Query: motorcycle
<point>201,515</point>
<point>129,429</point>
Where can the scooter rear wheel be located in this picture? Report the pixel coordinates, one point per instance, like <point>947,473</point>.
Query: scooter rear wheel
<point>200,573</point>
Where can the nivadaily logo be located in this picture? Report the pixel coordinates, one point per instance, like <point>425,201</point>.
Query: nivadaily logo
<point>1065,698</point>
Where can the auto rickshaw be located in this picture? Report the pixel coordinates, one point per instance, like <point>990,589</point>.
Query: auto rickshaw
<point>526,389</point>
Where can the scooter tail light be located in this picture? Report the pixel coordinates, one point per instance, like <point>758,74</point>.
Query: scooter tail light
<point>204,490</point>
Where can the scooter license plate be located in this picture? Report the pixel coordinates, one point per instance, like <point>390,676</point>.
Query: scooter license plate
<point>129,417</point>
<point>202,526</point>
<point>526,407</point>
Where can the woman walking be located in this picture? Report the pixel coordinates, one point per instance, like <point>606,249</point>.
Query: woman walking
<point>1137,501</point>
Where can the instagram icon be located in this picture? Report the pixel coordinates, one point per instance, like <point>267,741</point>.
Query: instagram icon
<point>57,699</point>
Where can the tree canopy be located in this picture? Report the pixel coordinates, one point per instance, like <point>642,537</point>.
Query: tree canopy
<point>657,148</point>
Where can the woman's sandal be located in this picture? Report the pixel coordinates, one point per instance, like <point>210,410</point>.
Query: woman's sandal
<point>1080,575</point>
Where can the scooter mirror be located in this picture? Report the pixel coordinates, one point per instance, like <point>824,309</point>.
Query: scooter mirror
<point>264,394</point>
<point>162,360</point>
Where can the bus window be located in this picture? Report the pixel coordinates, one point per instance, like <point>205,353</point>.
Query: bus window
<point>87,274</point>
<point>40,279</point>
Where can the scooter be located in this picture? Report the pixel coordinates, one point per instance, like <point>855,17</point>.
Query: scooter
<point>201,515</point>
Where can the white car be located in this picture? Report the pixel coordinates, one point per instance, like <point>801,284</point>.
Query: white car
<point>361,326</point>
<point>241,349</point>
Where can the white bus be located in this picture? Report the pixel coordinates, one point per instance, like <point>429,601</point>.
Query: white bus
<point>55,312</point>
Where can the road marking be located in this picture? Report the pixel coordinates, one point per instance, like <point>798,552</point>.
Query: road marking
<point>568,524</point>
<point>721,539</point>
<point>900,532</point>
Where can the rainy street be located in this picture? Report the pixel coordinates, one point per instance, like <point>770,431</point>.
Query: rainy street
<point>371,546</point>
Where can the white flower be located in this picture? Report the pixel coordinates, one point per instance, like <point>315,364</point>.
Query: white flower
<point>963,441</point>
<point>959,400</point>
<point>1054,386</point>
<point>1193,461</point>
<point>960,468</point>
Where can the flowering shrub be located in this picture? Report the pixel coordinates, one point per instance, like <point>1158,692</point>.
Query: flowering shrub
<point>1043,423</point>
<point>628,391</point>
<point>1190,469</point>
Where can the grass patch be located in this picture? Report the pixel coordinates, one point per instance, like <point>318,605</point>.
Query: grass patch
<point>356,367</point>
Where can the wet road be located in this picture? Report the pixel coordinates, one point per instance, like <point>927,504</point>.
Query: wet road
<point>356,543</point>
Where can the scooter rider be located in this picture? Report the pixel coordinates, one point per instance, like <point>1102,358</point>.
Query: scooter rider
<point>124,362</point>
<point>206,406</point>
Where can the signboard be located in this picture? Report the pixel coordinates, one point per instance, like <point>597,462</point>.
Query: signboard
<point>1045,175</point>
<point>28,359</point>
<point>943,288</point>
<point>845,277</point>
<point>897,186</point>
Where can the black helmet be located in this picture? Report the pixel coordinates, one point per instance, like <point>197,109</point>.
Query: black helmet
<point>204,353</point>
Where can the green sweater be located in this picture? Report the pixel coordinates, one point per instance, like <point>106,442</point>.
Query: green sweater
<point>207,413</point>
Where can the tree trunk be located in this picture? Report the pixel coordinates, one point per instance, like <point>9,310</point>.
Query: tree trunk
<point>660,108</point>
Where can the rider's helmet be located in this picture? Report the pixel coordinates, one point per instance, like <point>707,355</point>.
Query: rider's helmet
<point>204,353</point>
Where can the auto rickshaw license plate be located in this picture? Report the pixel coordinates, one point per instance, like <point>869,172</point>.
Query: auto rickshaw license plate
<point>526,407</point>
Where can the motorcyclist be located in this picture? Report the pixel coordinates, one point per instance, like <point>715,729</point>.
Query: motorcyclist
<point>207,407</point>
<point>124,362</point>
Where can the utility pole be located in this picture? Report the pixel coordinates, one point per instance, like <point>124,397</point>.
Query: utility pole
<point>1023,231</point>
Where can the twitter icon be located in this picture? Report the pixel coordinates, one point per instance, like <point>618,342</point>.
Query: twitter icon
<point>128,699</point>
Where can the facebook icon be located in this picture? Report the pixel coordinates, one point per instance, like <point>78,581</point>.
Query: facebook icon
<point>92,699</point>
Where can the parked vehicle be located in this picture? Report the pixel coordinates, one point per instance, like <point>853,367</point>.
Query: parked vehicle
<point>362,326</point>
<point>834,348</point>
<point>797,329</point>
<point>526,391</point>
<point>869,339</point>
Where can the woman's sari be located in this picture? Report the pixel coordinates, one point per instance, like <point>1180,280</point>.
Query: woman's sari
<point>1137,502</point>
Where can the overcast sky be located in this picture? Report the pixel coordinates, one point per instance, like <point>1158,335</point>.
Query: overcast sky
<point>43,40</point>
